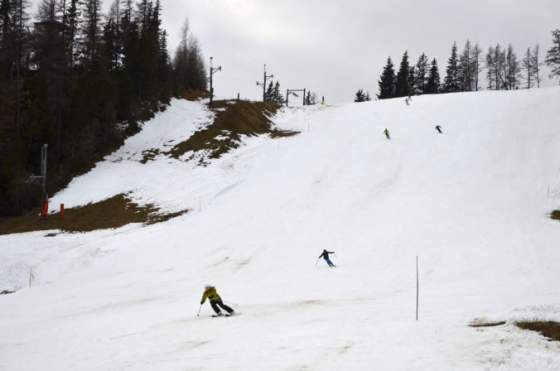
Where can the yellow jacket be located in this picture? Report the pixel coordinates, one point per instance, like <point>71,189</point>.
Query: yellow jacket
<point>210,294</point>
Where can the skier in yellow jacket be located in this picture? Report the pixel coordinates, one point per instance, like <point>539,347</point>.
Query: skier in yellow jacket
<point>216,302</point>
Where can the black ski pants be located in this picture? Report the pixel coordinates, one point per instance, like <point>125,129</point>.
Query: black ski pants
<point>217,304</point>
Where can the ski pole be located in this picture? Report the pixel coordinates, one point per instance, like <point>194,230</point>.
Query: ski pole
<point>199,308</point>
<point>317,261</point>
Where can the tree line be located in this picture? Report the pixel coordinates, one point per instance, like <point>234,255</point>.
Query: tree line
<point>504,71</point>
<point>81,81</point>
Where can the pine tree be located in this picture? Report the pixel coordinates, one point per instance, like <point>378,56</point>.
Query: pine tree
<point>452,82</point>
<point>70,18</point>
<point>536,63</point>
<point>553,55</point>
<point>512,69</point>
<point>421,74</point>
<point>465,69</point>
<point>412,80</point>
<point>475,63</point>
<point>91,31</point>
<point>197,68</point>
<point>496,66</point>
<point>360,96</point>
<point>433,84</point>
<point>528,66</point>
<point>269,94</point>
<point>403,78</point>
<point>190,72</point>
<point>112,48</point>
<point>165,69</point>
<point>387,83</point>
<point>277,97</point>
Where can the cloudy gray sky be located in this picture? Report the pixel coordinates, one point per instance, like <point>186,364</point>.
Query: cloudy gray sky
<point>335,47</point>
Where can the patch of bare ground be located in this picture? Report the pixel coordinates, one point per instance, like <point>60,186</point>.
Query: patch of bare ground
<point>233,120</point>
<point>548,329</point>
<point>114,212</point>
<point>149,155</point>
<point>195,94</point>
<point>479,324</point>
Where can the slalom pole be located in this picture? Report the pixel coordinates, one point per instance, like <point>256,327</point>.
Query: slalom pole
<point>417,288</point>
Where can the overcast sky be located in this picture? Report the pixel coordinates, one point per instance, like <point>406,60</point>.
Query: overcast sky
<point>335,47</point>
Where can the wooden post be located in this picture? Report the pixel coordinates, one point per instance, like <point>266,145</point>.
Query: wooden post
<point>62,212</point>
<point>417,288</point>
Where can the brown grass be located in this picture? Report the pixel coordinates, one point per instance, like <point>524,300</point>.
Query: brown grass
<point>111,213</point>
<point>549,329</point>
<point>233,120</point>
<point>555,215</point>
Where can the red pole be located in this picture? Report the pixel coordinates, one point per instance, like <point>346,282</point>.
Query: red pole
<point>45,208</point>
<point>62,212</point>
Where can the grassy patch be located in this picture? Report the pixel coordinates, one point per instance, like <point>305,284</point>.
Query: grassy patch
<point>549,329</point>
<point>111,213</point>
<point>555,215</point>
<point>234,119</point>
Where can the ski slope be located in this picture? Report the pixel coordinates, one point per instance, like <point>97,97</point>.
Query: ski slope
<point>472,204</point>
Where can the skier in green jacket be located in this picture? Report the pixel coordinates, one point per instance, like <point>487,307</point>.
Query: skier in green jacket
<point>386,132</point>
<point>216,302</point>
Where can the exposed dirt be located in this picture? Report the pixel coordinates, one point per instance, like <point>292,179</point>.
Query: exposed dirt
<point>234,119</point>
<point>193,94</point>
<point>549,329</point>
<point>486,324</point>
<point>111,213</point>
<point>149,155</point>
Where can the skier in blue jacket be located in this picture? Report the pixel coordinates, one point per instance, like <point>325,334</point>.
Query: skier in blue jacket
<point>325,255</point>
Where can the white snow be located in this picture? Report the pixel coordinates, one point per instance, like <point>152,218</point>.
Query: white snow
<point>472,203</point>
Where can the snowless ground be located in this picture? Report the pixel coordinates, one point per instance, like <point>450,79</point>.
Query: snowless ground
<point>472,203</point>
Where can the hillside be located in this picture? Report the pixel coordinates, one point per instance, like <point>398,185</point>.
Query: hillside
<point>473,204</point>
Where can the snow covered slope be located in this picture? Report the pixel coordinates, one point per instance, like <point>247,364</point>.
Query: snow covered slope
<point>472,203</point>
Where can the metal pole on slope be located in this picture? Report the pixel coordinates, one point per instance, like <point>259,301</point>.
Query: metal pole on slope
<point>212,72</point>
<point>417,288</point>
<point>263,84</point>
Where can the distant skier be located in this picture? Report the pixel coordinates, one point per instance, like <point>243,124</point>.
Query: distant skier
<point>439,130</point>
<point>216,302</point>
<point>386,132</point>
<point>325,255</point>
